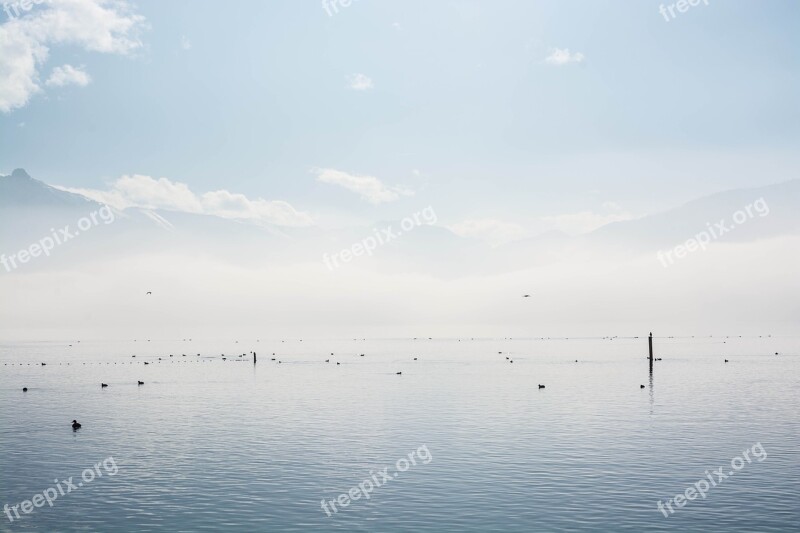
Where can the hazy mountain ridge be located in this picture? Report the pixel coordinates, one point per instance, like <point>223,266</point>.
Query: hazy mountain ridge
<point>30,210</point>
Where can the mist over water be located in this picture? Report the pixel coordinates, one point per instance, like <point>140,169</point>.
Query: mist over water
<point>395,266</point>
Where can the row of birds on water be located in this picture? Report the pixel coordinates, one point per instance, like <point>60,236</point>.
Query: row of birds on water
<point>240,357</point>
<point>610,338</point>
<point>77,425</point>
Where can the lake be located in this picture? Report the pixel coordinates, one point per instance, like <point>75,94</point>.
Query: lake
<point>462,440</point>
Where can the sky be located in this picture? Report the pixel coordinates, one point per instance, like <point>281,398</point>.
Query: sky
<point>510,117</point>
<point>301,127</point>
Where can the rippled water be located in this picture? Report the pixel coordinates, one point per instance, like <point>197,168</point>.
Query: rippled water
<point>214,445</point>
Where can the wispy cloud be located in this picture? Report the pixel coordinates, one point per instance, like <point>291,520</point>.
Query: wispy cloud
<point>360,82</point>
<point>68,75</point>
<point>146,192</point>
<point>92,25</point>
<point>560,57</point>
<point>490,230</point>
<point>186,44</point>
<point>368,188</point>
<point>586,221</point>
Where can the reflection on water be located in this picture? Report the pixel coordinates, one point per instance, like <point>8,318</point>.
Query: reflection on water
<point>207,444</point>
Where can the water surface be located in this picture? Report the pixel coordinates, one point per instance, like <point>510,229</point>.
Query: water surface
<point>210,445</point>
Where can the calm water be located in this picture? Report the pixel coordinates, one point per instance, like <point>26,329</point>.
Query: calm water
<point>212,445</point>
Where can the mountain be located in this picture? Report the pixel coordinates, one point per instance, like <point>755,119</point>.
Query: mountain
<point>31,210</point>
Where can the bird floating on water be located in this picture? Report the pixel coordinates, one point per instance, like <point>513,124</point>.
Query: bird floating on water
<point>76,424</point>
<point>141,382</point>
<point>24,389</point>
<point>103,385</point>
<point>541,386</point>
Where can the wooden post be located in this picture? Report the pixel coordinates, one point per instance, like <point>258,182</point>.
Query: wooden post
<point>254,356</point>
<point>650,343</point>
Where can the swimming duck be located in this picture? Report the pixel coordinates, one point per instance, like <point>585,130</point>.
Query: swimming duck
<point>541,386</point>
<point>141,382</point>
<point>103,385</point>
<point>75,424</point>
<point>24,389</point>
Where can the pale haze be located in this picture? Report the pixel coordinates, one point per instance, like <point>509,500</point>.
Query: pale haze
<point>556,142</point>
<point>430,266</point>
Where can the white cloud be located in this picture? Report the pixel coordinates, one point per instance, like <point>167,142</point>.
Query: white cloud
<point>369,188</point>
<point>150,193</point>
<point>105,26</point>
<point>559,57</point>
<point>584,222</point>
<point>360,82</point>
<point>68,75</point>
<point>493,231</point>
<point>186,44</point>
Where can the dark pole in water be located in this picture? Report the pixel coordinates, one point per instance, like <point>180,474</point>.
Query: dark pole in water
<point>254,356</point>
<point>650,343</point>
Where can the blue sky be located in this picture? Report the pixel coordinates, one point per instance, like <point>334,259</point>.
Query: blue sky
<point>457,106</point>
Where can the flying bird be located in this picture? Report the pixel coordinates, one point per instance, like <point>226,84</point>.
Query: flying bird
<point>149,292</point>
<point>526,295</point>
